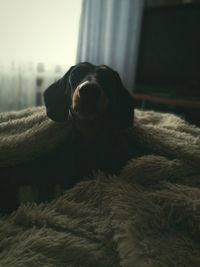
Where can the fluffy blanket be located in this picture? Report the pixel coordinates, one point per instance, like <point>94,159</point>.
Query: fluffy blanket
<point>147,216</point>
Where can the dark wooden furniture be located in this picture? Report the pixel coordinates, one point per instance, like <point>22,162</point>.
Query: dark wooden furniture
<point>168,70</point>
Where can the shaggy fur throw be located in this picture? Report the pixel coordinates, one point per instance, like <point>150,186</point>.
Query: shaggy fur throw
<point>147,216</point>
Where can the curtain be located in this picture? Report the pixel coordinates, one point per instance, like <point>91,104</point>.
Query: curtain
<point>109,34</point>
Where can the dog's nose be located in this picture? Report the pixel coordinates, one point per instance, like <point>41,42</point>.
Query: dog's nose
<point>89,95</point>
<point>90,91</point>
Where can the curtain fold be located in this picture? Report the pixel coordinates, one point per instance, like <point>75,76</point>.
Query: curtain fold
<point>109,34</point>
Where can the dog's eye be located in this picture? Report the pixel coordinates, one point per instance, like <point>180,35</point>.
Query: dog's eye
<point>102,73</point>
<point>78,74</point>
<point>105,75</point>
<point>102,69</point>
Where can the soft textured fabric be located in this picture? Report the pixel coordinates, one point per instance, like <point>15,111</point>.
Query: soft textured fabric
<point>146,216</point>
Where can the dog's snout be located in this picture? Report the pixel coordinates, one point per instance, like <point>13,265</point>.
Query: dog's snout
<point>88,97</point>
<point>89,90</point>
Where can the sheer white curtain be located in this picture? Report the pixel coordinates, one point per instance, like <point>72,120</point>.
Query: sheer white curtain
<point>109,34</point>
<point>34,31</point>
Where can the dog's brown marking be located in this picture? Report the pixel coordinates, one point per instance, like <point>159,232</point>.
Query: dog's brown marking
<point>75,98</point>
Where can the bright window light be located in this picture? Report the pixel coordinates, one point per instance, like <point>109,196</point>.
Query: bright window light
<point>39,31</point>
<point>38,43</point>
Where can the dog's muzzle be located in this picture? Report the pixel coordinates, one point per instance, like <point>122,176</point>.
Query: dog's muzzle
<point>88,101</point>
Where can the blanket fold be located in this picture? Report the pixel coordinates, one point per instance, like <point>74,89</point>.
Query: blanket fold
<point>148,215</point>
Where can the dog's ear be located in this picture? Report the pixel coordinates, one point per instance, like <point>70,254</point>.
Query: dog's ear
<point>121,107</point>
<point>57,99</point>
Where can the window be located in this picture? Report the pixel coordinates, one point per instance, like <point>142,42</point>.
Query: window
<point>38,39</point>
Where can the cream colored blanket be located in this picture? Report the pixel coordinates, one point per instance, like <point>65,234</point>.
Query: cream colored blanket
<point>147,216</point>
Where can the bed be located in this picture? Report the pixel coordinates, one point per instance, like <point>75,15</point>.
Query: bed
<point>146,215</point>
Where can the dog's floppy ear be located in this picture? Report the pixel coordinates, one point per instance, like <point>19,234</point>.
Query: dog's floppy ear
<point>57,99</point>
<point>121,107</point>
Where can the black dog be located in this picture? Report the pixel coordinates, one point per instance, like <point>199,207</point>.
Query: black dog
<point>89,97</point>
<point>90,93</point>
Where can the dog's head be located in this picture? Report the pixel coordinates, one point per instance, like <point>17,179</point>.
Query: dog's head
<point>90,93</point>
